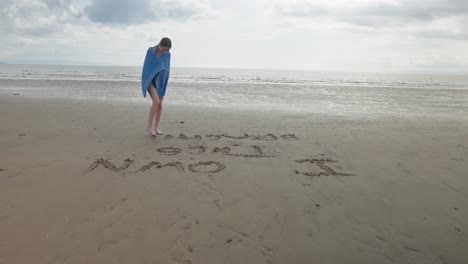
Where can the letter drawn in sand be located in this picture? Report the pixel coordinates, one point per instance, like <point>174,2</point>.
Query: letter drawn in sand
<point>169,151</point>
<point>214,137</point>
<point>224,150</point>
<point>327,171</point>
<point>289,137</point>
<point>108,165</point>
<point>179,166</point>
<point>257,152</point>
<point>196,167</point>
<point>184,137</point>
<point>201,149</point>
<point>267,137</point>
<point>233,137</point>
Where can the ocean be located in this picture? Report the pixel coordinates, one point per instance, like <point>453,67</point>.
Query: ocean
<point>356,95</point>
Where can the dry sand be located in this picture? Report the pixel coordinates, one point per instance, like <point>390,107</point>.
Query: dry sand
<point>82,182</point>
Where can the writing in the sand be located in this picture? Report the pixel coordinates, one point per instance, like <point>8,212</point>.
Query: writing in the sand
<point>266,137</point>
<point>199,167</point>
<point>320,163</point>
<point>232,150</point>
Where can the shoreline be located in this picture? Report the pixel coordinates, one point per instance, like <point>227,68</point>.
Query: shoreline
<point>323,116</point>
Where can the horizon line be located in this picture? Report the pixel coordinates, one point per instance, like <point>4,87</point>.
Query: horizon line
<point>96,64</point>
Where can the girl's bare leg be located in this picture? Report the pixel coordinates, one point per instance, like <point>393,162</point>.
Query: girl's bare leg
<point>154,108</point>
<point>158,116</point>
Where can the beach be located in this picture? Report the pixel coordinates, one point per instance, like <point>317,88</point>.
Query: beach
<point>82,182</point>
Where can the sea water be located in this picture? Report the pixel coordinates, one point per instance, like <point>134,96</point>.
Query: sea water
<point>331,93</point>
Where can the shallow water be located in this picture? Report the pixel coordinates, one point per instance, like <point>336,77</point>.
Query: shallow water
<point>343,94</point>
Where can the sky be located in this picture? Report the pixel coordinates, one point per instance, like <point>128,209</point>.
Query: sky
<point>317,35</point>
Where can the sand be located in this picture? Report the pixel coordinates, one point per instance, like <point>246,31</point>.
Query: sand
<point>82,182</point>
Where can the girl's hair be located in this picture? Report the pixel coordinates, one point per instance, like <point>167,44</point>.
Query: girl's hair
<point>165,42</point>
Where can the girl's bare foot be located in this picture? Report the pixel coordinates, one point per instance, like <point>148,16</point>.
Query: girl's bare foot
<point>151,131</point>
<point>158,131</point>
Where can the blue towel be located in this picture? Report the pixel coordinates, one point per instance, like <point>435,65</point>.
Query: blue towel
<point>155,69</point>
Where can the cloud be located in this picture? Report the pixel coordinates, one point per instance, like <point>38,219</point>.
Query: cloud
<point>443,34</point>
<point>412,12</point>
<point>42,18</point>
<point>374,35</point>
<point>382,15</point>
<point>121,11</point>
<point>143,11</point>
<point>408,10</point>
<point>37,18</point>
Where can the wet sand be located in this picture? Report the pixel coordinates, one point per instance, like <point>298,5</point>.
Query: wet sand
<point>82,182</point>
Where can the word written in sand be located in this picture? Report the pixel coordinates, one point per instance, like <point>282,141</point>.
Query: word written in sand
<point>200,167</point>
<point>256,151</point>
<point>267,137</point>
<point>212,167</point>
<point>326,171</point>
<point>237,150</point>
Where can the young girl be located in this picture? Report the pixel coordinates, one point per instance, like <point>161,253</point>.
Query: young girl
<point>157,67</point>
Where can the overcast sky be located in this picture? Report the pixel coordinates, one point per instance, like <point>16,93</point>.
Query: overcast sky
<point>328,35</point>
